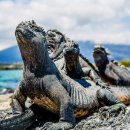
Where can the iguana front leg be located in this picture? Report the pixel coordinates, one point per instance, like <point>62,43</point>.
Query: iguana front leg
<point>18,101</point>
<point>60,96</point>
<point>106,97</point>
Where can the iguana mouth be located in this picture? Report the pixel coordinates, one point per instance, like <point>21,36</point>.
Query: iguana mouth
<point>20,37</point>
<point>71,57</point>
<point>27,30</point>
<point>70,51</point>
<point>100,57</point>
<point>98,52</point>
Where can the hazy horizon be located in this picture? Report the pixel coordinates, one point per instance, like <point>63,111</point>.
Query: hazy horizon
<point>125,44</point>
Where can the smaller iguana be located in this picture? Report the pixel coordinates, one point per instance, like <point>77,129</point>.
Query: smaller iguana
<point>109,71</point>
<point>55,43</point>
<point>70,63</point>
<point>66,54</point>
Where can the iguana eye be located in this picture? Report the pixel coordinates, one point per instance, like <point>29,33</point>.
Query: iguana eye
<point>75,45</point>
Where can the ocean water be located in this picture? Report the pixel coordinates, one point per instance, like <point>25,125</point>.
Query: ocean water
<point>11,78</point>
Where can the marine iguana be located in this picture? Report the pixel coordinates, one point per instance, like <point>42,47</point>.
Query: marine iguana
<point>70,64</point>
<point>57,42</point>
<point>52,90</point>
<point>109,71</point>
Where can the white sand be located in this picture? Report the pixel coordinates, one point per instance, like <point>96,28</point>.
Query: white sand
<point>5,101</point>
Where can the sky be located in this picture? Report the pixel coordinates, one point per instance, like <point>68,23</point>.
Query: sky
<point>102,21</point>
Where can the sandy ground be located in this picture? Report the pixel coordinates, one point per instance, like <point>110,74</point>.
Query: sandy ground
<point>5,101</point>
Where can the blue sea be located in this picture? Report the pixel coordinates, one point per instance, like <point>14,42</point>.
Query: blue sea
<point>11,78</point>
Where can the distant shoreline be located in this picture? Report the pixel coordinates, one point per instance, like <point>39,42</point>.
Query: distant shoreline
<point>15,66</point>
<point>19,66</point>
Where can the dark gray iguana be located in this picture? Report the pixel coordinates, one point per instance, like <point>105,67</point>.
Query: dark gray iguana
<point>75,65</point>
<point>70,64</point>
<point>52,90</point>
<point>55,43</point>
<point>109,71</point>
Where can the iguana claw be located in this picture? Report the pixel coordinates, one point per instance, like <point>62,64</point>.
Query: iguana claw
<point>113,110</point>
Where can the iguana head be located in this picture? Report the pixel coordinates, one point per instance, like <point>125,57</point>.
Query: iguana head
<point>71,54</point>
<point>100,54</point>
<point>32,44</point>
<point>54,39</point>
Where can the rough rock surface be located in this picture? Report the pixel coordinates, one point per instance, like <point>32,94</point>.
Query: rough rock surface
<point>95,121</point>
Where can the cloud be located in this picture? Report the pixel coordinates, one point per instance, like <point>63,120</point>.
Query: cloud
<point>97,20</point>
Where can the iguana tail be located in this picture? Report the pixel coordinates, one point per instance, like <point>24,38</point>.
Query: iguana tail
<point>19,122</point>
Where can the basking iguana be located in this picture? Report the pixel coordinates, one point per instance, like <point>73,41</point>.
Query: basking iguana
<point>52,90</point>
<point>70,64</point>
<point>55,43</point>
<point>109,71</point>
<point>58,44</point>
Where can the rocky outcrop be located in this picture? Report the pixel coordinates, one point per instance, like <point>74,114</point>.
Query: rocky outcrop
<point>96,122</point>
<point>93,122</point>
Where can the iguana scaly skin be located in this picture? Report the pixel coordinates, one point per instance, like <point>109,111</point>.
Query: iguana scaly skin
<point>70,63</point>
<point>52,90</point>
<point>73,64</point>
<point>18,122</point>
<point>108,70</point>
<point>55,43</point>
<point>58,44</point>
